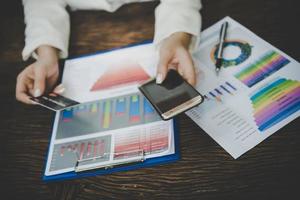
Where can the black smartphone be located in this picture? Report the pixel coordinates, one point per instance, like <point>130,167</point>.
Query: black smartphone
<point>173,96</point>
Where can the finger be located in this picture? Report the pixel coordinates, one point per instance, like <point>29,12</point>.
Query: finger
<point>30,88</point>
<point>24,98</point>
<point>180,71</point>
<point>21,90</point>
<point>175,61</point>
<point>39,80</point>
<point>51,82</point>
<point>162,69</point>
<point>187,66</point>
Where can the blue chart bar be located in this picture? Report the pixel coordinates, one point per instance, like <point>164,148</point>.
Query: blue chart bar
<point>134,109</point>
<point>225,89</point>
<point>120,106</point>
<point>148,109</point>
<point>215,96</point>
<point>67,115</point>
<point>227,83</point>
<point>218,91</point>
<point>206,97</point>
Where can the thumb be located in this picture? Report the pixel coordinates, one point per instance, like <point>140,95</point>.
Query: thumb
<point>162,68</point>
<point>39,80</point>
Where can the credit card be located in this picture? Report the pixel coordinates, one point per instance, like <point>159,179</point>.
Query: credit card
<point>54,101</point>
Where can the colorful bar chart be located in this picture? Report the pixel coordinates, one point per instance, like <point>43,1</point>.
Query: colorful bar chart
<point>262,68</point>
<point>275,101</point>
<point>106,114</point>
<point>103,115</point>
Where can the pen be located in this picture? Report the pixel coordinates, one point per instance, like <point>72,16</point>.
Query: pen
<point>219,59</point>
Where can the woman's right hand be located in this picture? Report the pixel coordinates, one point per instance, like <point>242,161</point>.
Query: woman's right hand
<point>39,77</point>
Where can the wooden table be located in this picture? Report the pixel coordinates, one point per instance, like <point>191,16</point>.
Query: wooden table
<point>205,171</point>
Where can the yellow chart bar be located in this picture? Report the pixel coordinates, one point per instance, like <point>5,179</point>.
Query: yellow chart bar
<point>106,114</point>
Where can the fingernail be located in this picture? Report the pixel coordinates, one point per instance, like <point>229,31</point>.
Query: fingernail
<point>37,93</point>
<point>180,72</point>
<point>33,102</point>
<point>59,91</point>
<point>159,78</point>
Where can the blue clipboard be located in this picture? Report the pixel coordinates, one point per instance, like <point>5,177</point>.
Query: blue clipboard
<point>146,163</point>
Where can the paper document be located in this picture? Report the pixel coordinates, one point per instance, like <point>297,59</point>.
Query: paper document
<point>256,93</point>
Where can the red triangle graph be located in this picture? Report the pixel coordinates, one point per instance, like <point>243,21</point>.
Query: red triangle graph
<point>126,75</point>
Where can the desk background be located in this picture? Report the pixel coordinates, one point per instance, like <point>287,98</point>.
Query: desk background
<point>269,171</point>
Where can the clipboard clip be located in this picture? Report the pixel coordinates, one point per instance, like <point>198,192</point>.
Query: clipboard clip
<point>84,165</point>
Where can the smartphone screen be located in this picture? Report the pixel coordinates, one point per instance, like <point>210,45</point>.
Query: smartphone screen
<point>171,93</point>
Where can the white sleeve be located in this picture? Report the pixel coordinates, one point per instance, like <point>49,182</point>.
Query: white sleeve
<point>47,23</point>
<point>178,16</point>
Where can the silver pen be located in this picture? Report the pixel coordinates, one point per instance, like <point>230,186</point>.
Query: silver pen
<point>219,59</point>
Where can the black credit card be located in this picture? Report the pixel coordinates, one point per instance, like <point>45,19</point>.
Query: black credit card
<point>54,101</point>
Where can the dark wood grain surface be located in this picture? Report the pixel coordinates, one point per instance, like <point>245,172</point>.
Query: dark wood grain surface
<point>205,171</point>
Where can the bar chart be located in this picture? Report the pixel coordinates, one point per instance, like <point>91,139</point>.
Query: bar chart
<point>263,67</point>
<point>106,114</point>
<point>67,154</point>
<point>275,101</point>
<point>221,92</point>
<point>118,113</point>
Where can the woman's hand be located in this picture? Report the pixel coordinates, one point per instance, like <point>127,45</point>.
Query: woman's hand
<point>38,77</point>
<point>174,53</point>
